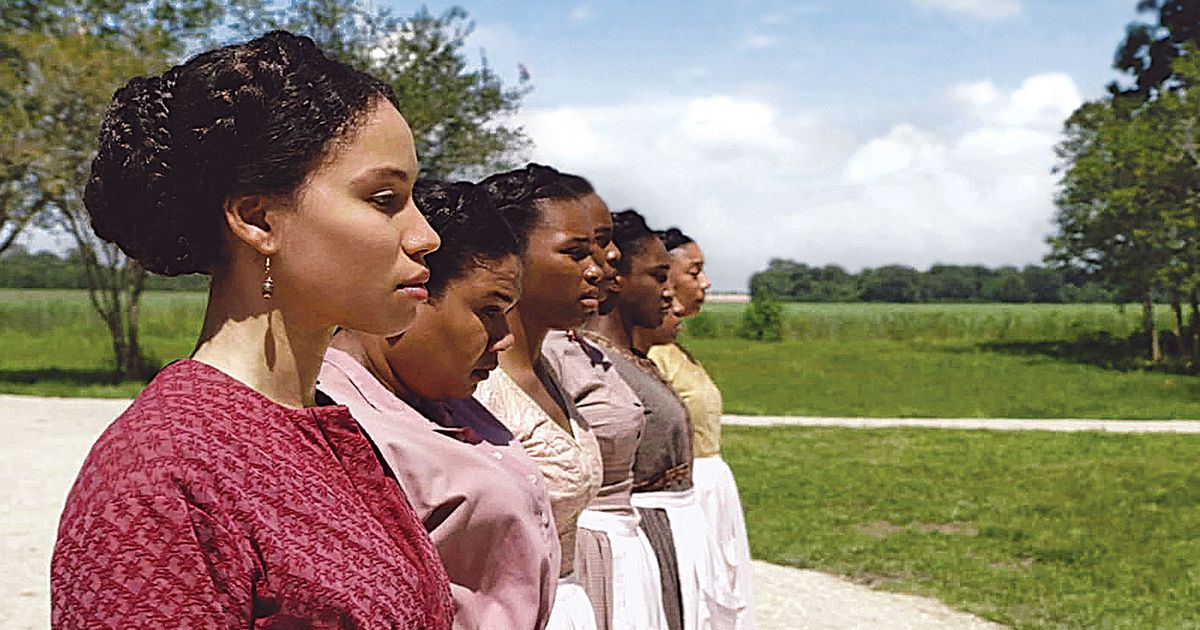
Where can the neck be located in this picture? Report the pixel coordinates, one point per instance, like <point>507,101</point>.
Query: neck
<point>369,352</point>
<point>527,343</point>
<point>614,328</point>
<point>641,340</point>
<point>256,342</point>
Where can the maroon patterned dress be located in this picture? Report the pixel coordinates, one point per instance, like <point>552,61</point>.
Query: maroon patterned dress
<point>207,505</point>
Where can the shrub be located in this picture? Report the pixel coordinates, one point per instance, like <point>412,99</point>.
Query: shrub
<point>763,319</point>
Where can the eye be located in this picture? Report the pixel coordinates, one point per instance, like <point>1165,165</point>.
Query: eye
<point>492,311</point>
<point>386,200</point>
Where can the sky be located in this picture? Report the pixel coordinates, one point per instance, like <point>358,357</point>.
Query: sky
<point>849,132</point>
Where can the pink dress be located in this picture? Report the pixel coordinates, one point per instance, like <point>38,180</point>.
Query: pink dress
<point>479,495</point>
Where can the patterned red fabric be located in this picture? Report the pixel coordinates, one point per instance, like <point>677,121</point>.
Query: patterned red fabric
<point>207,505</point>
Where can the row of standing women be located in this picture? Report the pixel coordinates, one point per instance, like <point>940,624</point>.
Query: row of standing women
<point>413,404</point>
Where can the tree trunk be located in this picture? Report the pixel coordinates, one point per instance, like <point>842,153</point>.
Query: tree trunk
<point>134,365</point>
<point>1194,325</point>
<point>1177,325</point>
<point>1149,327</point>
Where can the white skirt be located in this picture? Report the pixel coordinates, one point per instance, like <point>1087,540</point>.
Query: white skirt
<point>729,549</point>
<point>571,609</point>
<point>637,590</point>
<point>702,608</point>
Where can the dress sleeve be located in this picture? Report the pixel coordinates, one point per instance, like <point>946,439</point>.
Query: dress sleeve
<point>668,358</point>
<point>149,562</point>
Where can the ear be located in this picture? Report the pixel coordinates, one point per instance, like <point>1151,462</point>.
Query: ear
<point>251,218</point>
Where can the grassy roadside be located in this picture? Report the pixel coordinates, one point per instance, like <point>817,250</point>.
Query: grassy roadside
<point>1032,529</point>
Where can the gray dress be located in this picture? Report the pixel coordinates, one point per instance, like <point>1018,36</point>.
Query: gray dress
<point>663,461</point>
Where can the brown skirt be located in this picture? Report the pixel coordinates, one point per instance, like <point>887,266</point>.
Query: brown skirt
<point>657,526</point>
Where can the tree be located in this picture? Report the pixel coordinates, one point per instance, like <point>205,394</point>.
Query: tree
<point>892,283</point>
<point>1149,51</point>
<point>61,61</point>
<point>1008,285</point>
<point>461,116</point>
<point>763,319</point>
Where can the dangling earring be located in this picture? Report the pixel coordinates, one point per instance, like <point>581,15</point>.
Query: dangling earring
<point>268,285</point>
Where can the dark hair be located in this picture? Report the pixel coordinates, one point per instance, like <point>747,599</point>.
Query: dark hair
<point>517,192</point>
<point>252,118</point>
<point>673,238</point>
<point>629,232</point>
<point>471,228</point>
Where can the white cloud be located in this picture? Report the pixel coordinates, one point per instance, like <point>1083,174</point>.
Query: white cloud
<point>758,41</point>
<point>986,9</point>
<point>752,182</point>
<point>580,13</point>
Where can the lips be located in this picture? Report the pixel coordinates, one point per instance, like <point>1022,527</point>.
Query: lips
<point>415,288</point>
<point>482,373</point>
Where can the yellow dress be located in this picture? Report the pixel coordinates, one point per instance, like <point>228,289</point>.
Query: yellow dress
<point>703,400</point>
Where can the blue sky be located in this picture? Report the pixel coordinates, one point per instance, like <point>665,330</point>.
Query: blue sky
<point>826,131</point>
<point>848,132</point>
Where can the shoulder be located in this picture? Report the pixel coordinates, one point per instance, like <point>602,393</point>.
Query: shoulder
<point>171,437</point>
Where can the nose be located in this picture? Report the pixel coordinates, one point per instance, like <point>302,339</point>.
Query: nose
<point>419,238</point>
<point>668,294</point>
<point>704,283</point>
<point>503,343</point>
<point>612,254</point>
<point>592,273</point>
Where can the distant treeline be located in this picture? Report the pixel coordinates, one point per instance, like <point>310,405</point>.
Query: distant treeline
<point>21,270</point>
<point>798,282</point>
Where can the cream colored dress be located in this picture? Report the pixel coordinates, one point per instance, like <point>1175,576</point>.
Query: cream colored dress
<point>571,469</point>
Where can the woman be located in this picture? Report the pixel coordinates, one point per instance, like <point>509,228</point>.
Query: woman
<point>225,496</point>
<point>481,498</point>
<point>662,477</point>
<point>715,487</point>
<point>560,291</point>
<point>615,561</point>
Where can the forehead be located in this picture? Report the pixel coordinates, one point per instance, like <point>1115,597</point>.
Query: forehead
<point>502,275</point>
<point>689,253</point>
<point>651,253</point>
<point>563,219</point>
<point>597,210</point>
<point>381,139</point>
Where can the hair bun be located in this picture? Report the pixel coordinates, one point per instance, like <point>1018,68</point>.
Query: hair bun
<point>250,118</point>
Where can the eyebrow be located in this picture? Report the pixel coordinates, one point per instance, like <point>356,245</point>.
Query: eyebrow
<point>579,240</point>
<point>381,172</point>
<point>502,296</point>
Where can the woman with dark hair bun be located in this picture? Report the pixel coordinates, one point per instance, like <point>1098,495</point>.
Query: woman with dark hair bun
<point>230,494</point>
<point>615,561</point>
<point>480,496</point>
<point>716,489</point>
<point>561,288</point>
<point>662,478</point>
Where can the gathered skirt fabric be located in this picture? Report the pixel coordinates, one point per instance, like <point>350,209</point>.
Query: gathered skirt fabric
<point>572,609</point>
<point>657,528</point>
<point>628,595</point>
<point>729,548</point>
<point>702,606</point>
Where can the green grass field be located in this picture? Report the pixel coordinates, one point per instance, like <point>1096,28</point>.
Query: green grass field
<point>1032,529</point>
<point>924,360</point>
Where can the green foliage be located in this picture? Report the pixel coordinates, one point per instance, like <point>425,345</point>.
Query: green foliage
<point>61,61</point>
<point>763,319</point>
<point>460,113</point>
<point>1030,529</point>
<point>798,282</point>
